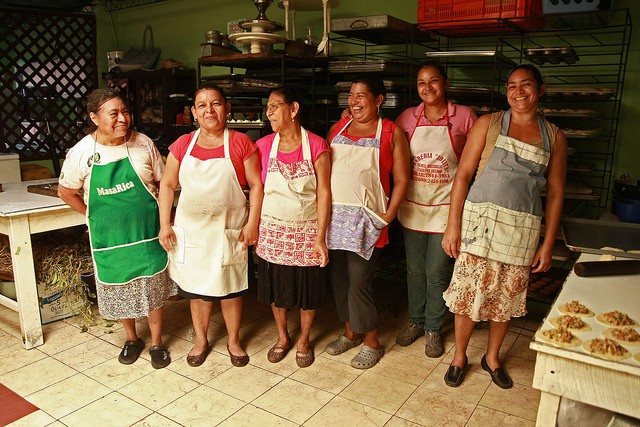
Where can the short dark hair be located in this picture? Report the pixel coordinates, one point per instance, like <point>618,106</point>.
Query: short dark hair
<point>209,86</point>
<point>436,65</point>
<point>537,75</point>
<point>96,100</point>
<point>374,84</point>
<point>291,94</point>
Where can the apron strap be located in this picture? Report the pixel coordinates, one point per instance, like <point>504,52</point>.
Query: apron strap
<point>225,138</point>
<point>306,148</point>
<point>378,129</point>
<point>504,129</point>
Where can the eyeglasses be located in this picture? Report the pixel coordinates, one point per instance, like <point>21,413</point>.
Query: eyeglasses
<point>273,107</point>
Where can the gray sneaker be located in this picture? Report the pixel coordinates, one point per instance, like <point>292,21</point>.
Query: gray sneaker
<point>434,347</point>
<point>409,334</point>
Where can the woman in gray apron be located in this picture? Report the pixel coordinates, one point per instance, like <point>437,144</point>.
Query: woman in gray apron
<point>118,170</point>
<point>437,131</point>
<point>494,234</point>
<point>213,226</point>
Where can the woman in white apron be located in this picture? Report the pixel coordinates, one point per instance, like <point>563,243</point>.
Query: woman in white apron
<point>118,170</point>
<point>366,151</point>
<point>293,225</point>
<point>494,234</point>
<point>207,245</point>
<point>437,131</point>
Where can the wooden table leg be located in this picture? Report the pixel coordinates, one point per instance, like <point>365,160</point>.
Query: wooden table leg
<point>548,410</point>
<point>25,279</point>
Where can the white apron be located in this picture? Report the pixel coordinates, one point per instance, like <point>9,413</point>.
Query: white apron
<point>289,217</point>
<point>356,194</point>
<point>503,212</point>
<point>433,167</point>
<point>208,259</point>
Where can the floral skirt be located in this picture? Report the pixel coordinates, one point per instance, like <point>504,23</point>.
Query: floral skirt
<point>134,299</point>
<point>484,289</point>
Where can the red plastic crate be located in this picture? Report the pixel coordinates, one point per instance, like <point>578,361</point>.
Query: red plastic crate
<point>468,15</point>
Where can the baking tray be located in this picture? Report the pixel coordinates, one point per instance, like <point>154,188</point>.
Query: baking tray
<point>586,235</point>
<point>379,29</point>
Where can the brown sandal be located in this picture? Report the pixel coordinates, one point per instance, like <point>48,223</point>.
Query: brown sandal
<point>238,361</point>
<point>278,352</point>
<point>198,359</point>
<point>305,360</point>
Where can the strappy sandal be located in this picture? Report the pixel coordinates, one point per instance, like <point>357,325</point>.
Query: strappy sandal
<point>278,352</point>
<point>367,357</point>
<point>305,360</point>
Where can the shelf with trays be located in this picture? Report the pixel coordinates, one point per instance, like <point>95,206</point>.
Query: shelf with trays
<point>154,99</point>
<point>585,97</point>
<point>248,79</point>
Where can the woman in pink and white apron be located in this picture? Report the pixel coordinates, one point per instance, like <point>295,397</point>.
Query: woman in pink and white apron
<point>118,169</point>
<point>437,131</point>
<point>493,229</point>
<point>293,224</point>
<point>366,152</point>
<point>213,227</point>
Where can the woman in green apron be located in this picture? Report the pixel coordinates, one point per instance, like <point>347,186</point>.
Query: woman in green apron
<point>118,171</point>
<point>494,234</point>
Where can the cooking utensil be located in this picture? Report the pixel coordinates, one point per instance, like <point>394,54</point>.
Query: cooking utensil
<point>606,268</point>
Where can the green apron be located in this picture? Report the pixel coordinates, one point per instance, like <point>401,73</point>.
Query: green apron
<point>123,224</point>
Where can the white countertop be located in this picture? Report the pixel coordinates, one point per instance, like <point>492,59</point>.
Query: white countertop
<point>16,200</point>
<point>600,294</point>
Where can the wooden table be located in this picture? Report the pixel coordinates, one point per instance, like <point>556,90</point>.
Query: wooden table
<point>21,215</point>
<point>572,372</point>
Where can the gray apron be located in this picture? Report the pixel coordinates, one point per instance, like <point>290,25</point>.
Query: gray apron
<point>503,211</point>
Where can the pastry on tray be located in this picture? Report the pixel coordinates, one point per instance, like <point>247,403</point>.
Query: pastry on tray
<point>574,308</point>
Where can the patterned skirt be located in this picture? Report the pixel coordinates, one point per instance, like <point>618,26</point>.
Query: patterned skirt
<point>487,290</point>
<point>134,299</point>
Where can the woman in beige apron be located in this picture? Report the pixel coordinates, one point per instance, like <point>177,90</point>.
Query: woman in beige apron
<point>366,150</point>
<point>437,131</point>
<point>207,244</point>
<point>118,170</point>
<point>295,213</point>
<point>495,232</point>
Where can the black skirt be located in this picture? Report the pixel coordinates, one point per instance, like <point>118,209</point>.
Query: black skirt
<point>288,286</point>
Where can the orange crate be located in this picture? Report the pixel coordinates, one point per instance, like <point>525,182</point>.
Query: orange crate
<point>442,14</point>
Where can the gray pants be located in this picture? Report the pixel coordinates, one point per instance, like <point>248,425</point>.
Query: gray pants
<point>352,282</point>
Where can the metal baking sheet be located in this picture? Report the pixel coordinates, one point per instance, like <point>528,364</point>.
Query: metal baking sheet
<point>380,29</point>
<point>585,235</point>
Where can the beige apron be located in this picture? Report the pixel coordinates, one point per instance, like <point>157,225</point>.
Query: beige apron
<point>356,194</point>
<point>208,259</point>
<point>289,217</point>
<point>433,167</point>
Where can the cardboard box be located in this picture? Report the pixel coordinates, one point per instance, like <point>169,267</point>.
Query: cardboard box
<point>54,306</point>
<point>9,168</point>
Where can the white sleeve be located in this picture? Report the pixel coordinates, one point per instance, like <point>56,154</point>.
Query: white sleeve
<point>73,173</point>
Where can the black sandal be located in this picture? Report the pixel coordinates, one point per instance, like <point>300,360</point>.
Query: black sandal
<point>131,351</point>
<point>159,356</point>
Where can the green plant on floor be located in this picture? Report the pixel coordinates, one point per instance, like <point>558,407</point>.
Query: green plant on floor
<point>60,269</point>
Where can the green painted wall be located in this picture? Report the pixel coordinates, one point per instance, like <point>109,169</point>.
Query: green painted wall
<point>179,27</point>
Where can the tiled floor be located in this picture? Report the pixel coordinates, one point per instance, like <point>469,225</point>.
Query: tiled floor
<point>76,380</point>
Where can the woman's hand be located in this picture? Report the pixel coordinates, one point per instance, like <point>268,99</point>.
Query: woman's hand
<point>249,235</point>
<point>320,251</point>
<point>167,237</point>
<point>542,260</point>
<point>451,241</point>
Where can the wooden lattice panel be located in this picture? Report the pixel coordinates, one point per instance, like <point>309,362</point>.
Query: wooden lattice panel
<point>48,67</point>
